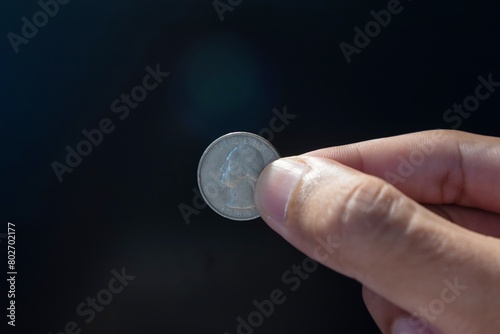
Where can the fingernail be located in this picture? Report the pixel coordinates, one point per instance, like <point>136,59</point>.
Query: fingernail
<point>275,185</point>
<point>411,326</point>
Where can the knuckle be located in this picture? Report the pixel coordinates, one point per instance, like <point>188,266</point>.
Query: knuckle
<point>370,203</point>
<point>441,135</point>
<point>374,214</point>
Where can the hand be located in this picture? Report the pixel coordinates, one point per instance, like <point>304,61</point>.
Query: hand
<point>425,247</point>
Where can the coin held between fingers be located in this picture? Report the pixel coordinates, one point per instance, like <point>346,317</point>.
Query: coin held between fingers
<point>228,171</point>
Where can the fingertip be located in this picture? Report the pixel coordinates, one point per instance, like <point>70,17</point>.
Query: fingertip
<point>274,188</point>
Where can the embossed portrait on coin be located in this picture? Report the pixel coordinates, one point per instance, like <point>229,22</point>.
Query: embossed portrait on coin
<point>240,172</point>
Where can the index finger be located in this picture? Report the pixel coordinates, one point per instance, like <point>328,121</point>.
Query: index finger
<point>432,167</point>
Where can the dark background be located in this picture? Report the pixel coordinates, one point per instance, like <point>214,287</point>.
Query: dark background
<point>120,207</point>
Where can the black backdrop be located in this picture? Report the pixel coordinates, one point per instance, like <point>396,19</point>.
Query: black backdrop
<point>120,207</point>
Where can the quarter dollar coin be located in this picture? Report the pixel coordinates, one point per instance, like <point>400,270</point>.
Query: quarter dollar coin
<point>228,171</point>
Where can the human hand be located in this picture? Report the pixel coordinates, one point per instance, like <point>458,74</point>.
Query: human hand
<point>426,249</point>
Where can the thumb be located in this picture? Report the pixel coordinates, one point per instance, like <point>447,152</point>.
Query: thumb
<point>365,228</point>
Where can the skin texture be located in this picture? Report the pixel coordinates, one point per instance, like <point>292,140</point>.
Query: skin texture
<point>423,239</point>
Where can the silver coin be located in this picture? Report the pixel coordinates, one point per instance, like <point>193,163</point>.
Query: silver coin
<point>228,171</point>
